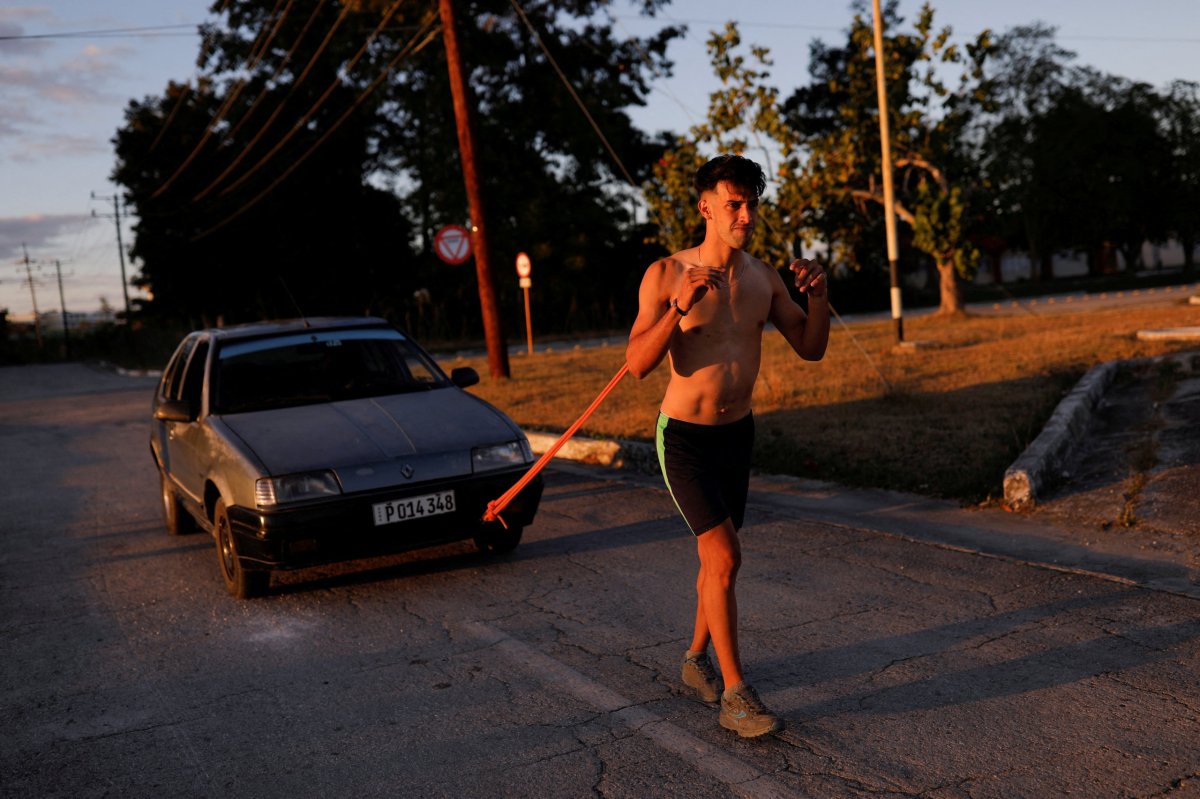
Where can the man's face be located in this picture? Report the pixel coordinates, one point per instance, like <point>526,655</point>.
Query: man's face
<point>732,212</point>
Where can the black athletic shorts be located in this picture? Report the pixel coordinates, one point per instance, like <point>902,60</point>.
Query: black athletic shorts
<point>707,469</point>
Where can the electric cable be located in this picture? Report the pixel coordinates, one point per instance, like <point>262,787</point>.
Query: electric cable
<point>303,121</point>
<point>256,52</point>
<point>187,87</point>
<point>407,50</point>
<point>244,151</point>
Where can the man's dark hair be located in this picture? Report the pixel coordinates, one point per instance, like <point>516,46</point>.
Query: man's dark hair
<point>741,172</point>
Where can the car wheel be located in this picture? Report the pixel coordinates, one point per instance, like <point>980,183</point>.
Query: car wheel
<point>494,539</point>
<point>239,582</point>
<point>177,520</point>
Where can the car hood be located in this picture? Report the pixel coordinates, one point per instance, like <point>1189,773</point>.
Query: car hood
<point>337,435</point>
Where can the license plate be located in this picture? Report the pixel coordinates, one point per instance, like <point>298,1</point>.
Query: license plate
<point>409,508</point>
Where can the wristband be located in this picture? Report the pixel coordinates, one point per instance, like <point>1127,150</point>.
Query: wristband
<point>678,310</point>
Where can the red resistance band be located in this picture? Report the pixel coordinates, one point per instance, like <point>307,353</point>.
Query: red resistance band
<point>497,505</point>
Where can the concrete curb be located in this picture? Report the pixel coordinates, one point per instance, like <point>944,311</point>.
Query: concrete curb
<point>1044,457</point>
<point>1042,461</point>
<point>620,454</point>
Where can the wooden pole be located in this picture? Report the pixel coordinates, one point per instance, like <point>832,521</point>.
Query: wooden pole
<point>889,198</point>
<point>489,307</point>
<point>528,323</point>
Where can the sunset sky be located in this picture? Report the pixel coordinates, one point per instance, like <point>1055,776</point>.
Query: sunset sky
<point>64,83</point>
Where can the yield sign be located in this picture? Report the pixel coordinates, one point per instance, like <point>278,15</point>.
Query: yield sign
<point>452,244</point>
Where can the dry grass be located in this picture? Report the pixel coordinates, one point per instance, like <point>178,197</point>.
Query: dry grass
<point>948,421</point>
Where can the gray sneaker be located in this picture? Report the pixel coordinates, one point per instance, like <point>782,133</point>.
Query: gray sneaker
<point>744,713</point>
<point>698,673</point>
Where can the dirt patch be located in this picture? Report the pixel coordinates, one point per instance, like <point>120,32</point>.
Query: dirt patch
<point>1137,475</point>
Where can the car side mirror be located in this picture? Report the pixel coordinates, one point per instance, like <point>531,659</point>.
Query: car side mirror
<point>464,377</point>
<point>175,410</point>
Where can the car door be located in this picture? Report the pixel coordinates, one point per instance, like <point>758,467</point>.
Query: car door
<point>187,442</point>
<point>168,389</point>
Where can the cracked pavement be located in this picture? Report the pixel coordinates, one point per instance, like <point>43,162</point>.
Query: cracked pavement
<point>916,649</point>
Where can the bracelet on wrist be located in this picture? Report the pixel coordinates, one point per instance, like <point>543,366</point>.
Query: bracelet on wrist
<point>678,310</point>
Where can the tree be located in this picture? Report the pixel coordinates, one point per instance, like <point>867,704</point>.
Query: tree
<point>241,215</point>
<point>552,187</point>
<point>1180,123</point>
<point>743,109</point>
<point>324,138</point>
<point>1028,74</point>
<point>936,176</point>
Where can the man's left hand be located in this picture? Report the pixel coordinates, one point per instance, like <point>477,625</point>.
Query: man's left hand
<point>810,277</point>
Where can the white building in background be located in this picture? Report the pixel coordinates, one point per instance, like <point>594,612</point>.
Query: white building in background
<point>52,321</point>
<point>1016,265</point>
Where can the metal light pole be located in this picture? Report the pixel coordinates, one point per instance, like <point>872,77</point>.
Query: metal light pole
<point>889,200</point>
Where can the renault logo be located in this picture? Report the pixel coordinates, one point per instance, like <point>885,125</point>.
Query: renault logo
<point>407,471</point>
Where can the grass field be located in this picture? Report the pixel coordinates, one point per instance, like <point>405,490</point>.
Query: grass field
<point>944,419</point>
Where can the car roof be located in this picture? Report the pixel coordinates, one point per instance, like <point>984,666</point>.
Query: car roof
<point>285,326</point>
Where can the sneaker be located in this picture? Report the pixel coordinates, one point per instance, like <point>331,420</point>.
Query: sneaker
<point>744,713</point>
<point>698,673</point>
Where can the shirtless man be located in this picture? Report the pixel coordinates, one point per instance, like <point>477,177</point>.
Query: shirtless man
<point>706,307</point>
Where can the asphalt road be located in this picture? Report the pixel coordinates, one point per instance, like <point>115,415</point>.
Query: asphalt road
<point>915,649</point>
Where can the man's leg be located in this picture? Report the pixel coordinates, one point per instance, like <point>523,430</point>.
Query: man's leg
<point>716,617</point>
<point>716,605</point>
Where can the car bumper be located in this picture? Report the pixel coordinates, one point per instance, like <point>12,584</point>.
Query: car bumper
<point>345,529</point>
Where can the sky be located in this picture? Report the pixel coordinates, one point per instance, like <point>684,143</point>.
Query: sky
<point>64,88</point>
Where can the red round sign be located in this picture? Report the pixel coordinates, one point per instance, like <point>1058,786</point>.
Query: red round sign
<point>452,244</point>
<point>524,267</point>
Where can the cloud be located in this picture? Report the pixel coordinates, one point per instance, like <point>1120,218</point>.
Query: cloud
<point>35,231</point>
<point>11,20</point>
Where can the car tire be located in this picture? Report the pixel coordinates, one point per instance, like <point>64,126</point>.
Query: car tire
<point>177,520</point>
<point>239,582</point>
<point>494,539</point>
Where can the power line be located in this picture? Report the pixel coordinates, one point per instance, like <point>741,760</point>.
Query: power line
<point>255,54</point>
<point>287,57</point>
<point>187,89</point>
<point>280,106</point>
<point>407,50</point>
<point>575,95</point>
<point>303,121</point>
<point>152,30</point>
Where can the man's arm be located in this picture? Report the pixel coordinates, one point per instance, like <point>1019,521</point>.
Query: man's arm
<point>656,321</point>
<point>807,334</point>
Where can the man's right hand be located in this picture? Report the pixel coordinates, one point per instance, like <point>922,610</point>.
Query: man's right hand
<point>695,283</point>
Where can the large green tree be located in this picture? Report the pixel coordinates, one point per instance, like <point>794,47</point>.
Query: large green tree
<point>320,145</point>
<point>743,117</point>
<point>936,91</point>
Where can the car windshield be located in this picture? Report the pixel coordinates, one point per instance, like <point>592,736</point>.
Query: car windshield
<point>324,366</point>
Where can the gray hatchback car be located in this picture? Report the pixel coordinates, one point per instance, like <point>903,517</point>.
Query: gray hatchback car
<point>304,442</point>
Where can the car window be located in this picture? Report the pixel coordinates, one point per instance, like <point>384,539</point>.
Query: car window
<point>327,366</point>
<point>173,376</point>
<point>192,389</point>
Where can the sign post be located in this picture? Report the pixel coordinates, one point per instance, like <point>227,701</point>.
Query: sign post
<point>524,268</point>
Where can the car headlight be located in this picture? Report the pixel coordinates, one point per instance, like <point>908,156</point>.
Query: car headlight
<point>498,456</point>
<point>271,491</point>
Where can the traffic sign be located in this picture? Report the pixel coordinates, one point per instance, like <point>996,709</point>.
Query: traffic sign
<point>452,244</point>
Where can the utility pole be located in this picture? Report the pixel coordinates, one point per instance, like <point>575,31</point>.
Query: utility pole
<point>37,317</point>
<point>116,216</point>
<point>62,304</point>
<point>490,308</point>
<point>889,199</point>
